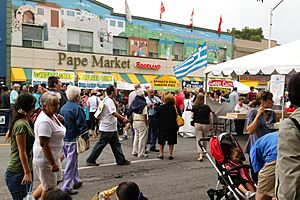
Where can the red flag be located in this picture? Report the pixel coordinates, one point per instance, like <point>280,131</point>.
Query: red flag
<point>162,9</point>
<point>220,23</point>
<point>191,20</point>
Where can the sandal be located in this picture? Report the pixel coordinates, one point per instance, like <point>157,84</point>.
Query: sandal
<point>160,157</point>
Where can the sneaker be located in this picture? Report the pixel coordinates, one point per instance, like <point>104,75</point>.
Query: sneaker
<point>72,192</point>
<point>125,137</point>
<point>127,162</point>
<point>92,164</point>
<point>249,194</point>
<point>77,185</point>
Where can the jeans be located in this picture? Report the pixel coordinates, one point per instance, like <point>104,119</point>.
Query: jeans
<point>13,182</point>
<point>71,171</point>
<point>112,139</point>
<point>152,132</point>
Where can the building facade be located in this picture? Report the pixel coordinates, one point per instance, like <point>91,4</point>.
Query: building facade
<point>87,37</point>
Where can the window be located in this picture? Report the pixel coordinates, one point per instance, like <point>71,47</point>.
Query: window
<point>80,41</point>
<point>70,13</point>
<point>177,49</point>
<point>40,11</point>
<point>32,36</point>
<point>120,46</point>
<point>54,18</point>
<point>62,12</point>
<point>78,13</point>
<point>112,23</point>
<point>120,24</point>
<point>153,48</point>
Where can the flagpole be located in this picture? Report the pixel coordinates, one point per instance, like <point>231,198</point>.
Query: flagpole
<point>205,88</point>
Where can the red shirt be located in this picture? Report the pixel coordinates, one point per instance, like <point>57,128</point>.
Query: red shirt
<point>179,102</point>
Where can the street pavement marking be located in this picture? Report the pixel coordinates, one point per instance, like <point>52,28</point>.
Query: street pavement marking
<point>111,164</point>
<point>4,145</point>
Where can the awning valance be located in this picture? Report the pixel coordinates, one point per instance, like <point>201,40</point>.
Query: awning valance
<point>18,75</point>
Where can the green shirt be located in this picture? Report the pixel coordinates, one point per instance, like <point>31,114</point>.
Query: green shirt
<point>20,127</point>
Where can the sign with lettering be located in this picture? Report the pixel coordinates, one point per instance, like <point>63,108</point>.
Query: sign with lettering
<point>41,76</point>
<point>95,60</point>
<point>192,84</point>
<point>165,83</point>
<point>220,83</point>
<point>95,80</point>
<point>147,66</point>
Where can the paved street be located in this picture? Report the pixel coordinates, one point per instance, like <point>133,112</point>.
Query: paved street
<point>181,178</point>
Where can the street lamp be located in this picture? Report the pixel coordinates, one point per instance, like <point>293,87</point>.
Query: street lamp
<point>271,15</point>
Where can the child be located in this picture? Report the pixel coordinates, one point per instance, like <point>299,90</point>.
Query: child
<point>239,176</point>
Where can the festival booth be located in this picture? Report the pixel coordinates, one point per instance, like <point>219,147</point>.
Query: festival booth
<point>283,60</point>
<point>221,85</point>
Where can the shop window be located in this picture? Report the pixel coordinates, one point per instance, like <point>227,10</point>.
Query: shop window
<point>54,18</point>
<point>120,24</point>
<point>40,11</point>
<point>178,51</point>
<point>112,23</point>
<point>80,41</point>
<point>32,36</point>
<point>222,55</point>
<point>62,12</point>
<point>153,48</point>
<point>70,13</point>
<point>78,13</point>
<point>120,46</point>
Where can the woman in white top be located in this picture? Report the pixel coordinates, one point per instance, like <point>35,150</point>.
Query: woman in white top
<point>93,103</point>
<point>187,129</point>
<point>47,147</point>
<point>188,105</point>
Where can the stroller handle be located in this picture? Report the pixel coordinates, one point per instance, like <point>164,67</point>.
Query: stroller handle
<point>203,140</point>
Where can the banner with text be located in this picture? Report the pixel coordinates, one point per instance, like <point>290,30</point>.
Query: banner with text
<point>41,76</point>
<point>165,83</point>
<point>95,80</point>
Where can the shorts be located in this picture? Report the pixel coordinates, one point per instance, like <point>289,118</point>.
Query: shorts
<point>48,179</point>
<point>266,179</point>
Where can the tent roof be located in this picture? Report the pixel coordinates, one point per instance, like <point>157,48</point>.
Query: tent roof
<point>281,59</point>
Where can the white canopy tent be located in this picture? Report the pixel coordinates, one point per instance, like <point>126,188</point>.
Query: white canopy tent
<point>283,59</point>
<point>242,88</point>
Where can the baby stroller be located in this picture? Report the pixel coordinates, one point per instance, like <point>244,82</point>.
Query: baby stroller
<point>220,147</point>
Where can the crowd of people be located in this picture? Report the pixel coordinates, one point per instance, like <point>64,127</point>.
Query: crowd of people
<point>46,123</point>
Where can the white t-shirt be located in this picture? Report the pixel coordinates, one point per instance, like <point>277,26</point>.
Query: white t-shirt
<point>46,127</point>
<point>188,105</point>
<point>242,109</point>
<point>93,102</point>
<point>108,122</point>
<point>131,97</point>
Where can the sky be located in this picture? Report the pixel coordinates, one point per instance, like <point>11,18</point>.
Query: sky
<point>235,13</point>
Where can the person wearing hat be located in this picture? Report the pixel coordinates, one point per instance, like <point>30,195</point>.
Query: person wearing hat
<point>93,103</point>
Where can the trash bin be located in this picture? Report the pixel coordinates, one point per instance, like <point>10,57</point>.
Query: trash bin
<point>4,120</point>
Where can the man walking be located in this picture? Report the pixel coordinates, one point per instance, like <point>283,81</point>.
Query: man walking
<point>54,85</point>
<point>14,94</point>
<point>5,98</point>
<point>108,131</point>
<point>153,103</point>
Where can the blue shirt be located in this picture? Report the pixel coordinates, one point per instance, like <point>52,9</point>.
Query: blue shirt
<point>13,97</point>
<point>260,131</point>
<point>37,98</point>
<point>264,151</point>
<point>152,111</point>
<point>74,121</point>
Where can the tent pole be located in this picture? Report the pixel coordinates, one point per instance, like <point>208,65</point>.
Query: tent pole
<point>205,88</point>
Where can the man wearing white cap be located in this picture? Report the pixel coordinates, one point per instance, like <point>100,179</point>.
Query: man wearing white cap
<point>14,94</point>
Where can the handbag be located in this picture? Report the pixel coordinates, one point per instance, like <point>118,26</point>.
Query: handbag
<point>179,119</point>
<point>29,195</point>
<point>81,143</point>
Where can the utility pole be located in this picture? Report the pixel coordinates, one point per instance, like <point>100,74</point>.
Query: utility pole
<point>270,30</point>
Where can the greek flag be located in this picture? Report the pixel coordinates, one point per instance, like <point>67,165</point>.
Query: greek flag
<point>192,63</point>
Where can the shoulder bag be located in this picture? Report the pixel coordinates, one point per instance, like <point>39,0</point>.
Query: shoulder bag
<point>179,119</point>
<point>296,123</point>
<point>82,144</point>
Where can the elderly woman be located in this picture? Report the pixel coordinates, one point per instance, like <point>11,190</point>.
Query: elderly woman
<point>47,147</point>
<point>19,171</point>
<point>167,125</point>
<point>75,123</point>
<point>257,122</point>
<point>138,110</point>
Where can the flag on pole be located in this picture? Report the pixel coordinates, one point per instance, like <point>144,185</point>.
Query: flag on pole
<point>162,9</point>
<point>196,61</point>
<point>127,12</point>
<point>191,20</point>
<point>220,23</point>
